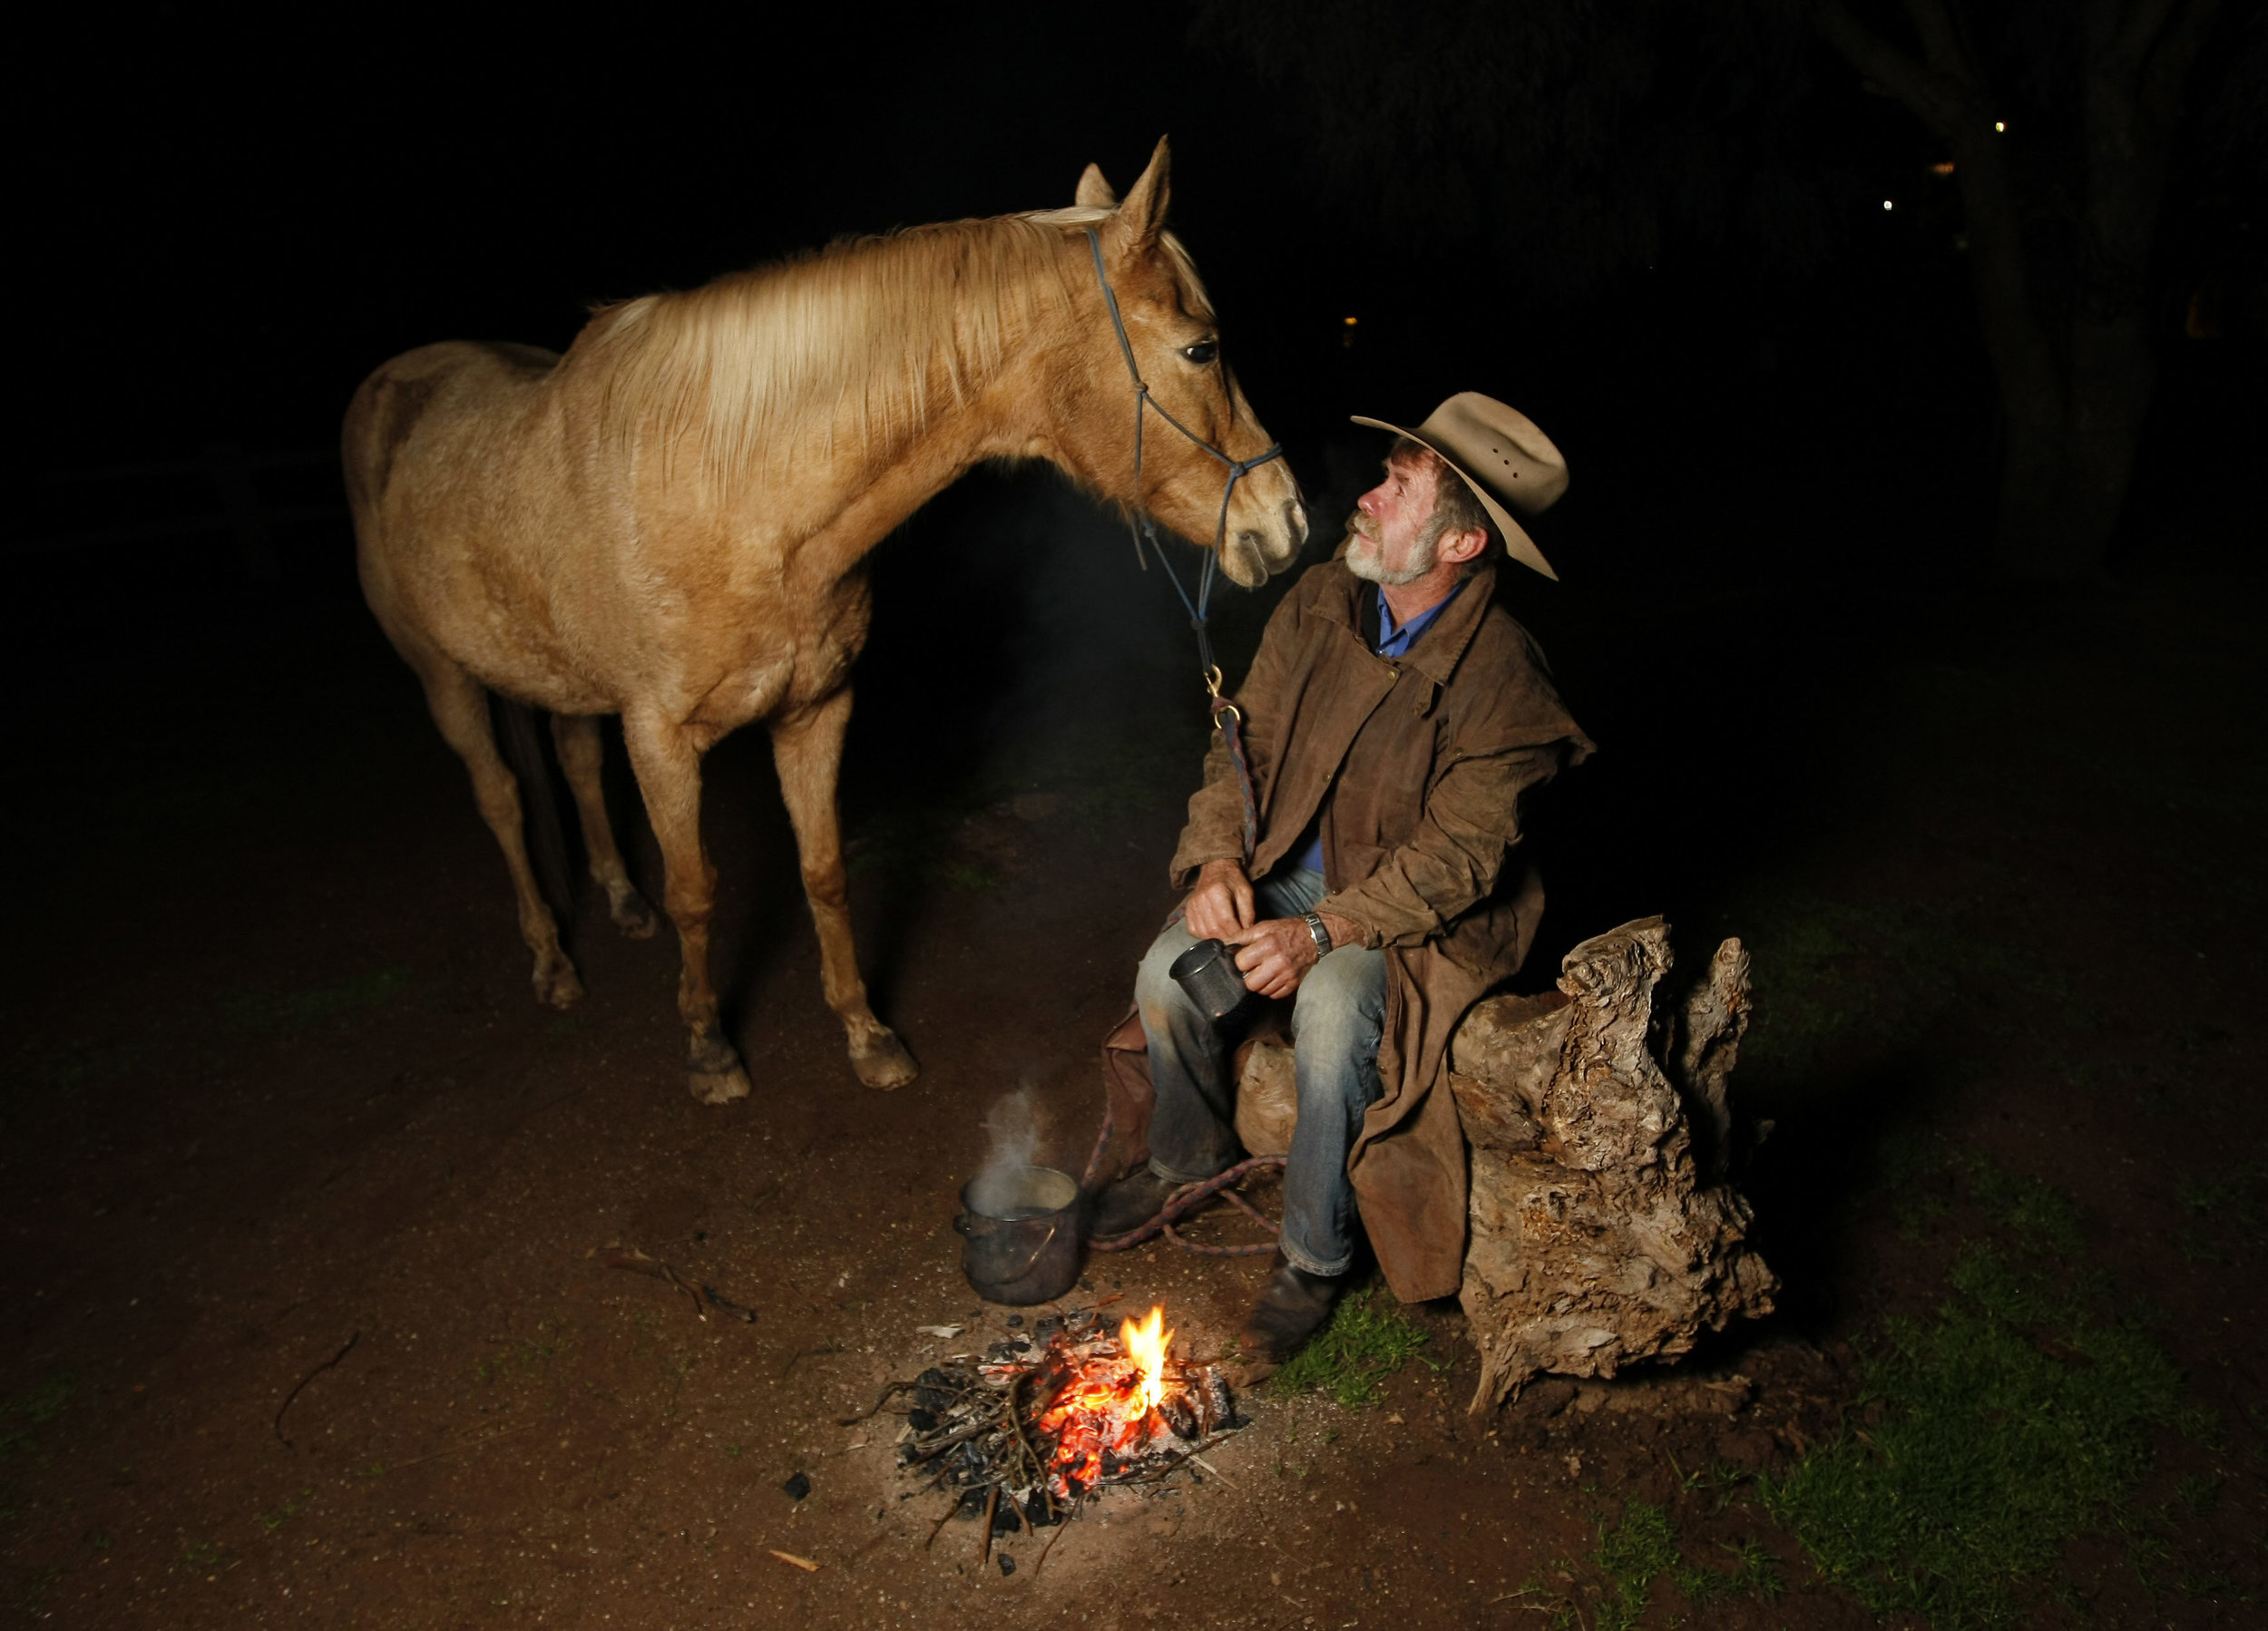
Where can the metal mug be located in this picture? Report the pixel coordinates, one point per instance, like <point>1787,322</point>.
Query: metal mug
<point>1208,974</point>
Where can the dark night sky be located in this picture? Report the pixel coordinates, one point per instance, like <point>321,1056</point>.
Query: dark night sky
<point>263,211</point>
<point>235,219</point>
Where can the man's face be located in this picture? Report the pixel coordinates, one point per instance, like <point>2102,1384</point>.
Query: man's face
<point>1386,533</point>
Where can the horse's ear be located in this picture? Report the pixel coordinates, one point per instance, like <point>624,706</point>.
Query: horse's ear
<point>1094,193</point>
<point>1143,214</point>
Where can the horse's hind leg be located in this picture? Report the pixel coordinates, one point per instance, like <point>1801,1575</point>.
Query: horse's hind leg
<point>668,767</point>
<point>460,708</point>
<point>576,735</point>
<point>808,751</point>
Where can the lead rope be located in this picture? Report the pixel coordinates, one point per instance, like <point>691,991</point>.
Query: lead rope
<point>1184,1201</point>
<point>1228,720</point>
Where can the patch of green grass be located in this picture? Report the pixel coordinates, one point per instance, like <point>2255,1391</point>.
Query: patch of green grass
<point>1756,1573</point>
<point>1838,973</point>
<point>24,1415</point>
<point>275,1518</point>
<point>2009,1423</point>
<point>1634,1552</point>
<point>317,1005</point>
<point>967,875</point>
<point>518,1361</point>
<point>39,1590</point>
<point>2228,1215</point>
<point>2040,1214</point>
<point>1350,1358</point>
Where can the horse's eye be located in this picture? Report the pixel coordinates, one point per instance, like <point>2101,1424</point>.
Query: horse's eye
<point>1203,353</point>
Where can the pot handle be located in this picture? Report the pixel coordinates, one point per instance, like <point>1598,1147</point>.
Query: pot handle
<point>961,1226</point>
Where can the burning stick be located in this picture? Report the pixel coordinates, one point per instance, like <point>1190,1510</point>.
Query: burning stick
<point>1061,1416</point>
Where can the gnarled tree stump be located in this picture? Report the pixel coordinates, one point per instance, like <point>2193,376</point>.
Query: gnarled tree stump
<point>1604,1229</point>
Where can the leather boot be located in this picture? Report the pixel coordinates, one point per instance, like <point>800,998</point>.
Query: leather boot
<point>1292,1308</point>
<point>1129,1203</point>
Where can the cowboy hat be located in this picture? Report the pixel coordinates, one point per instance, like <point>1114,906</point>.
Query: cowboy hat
<point>1502,457</point>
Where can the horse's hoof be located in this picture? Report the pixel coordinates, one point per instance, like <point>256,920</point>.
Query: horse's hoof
<point>717,1087</point>
<point>557,985</point>
<point>632,916</point>
<point>883,1062</point>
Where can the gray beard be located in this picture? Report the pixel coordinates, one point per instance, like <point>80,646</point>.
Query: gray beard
<point>1365,556</point>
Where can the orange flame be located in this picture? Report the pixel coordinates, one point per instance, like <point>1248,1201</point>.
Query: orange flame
<point>1146,1348</point>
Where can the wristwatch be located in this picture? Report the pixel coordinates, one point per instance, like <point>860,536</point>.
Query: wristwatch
<point>1321,935</point>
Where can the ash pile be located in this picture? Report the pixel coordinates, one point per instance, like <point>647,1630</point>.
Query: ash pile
<point>1034,1426</point>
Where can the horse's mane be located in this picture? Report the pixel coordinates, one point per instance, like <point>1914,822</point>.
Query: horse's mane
<point>865,336</point>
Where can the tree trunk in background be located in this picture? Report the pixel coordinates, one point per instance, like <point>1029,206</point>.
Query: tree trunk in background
<point>2073,353</point>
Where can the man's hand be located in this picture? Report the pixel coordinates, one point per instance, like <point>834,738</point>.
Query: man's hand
<point>1276,954</point>
<point>1220,906</point>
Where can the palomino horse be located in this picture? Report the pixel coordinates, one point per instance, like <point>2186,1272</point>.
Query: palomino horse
<point>670,522</point>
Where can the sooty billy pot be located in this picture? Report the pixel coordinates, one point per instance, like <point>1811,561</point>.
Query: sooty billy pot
<point>1019,1228</point>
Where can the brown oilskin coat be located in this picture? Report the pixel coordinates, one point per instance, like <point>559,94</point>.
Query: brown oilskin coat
<point>1424,761</point>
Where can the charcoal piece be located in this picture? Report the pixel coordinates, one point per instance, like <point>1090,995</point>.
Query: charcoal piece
<point>931,1399</point>
<point>1035,1509</point>
<point>1049,1326</point>
<point>1216,1406</point>
<point>1004,1518</point>
<point>970,1455</point>
<point>1015,1320</point>
<point>1000,1350</point>
<point>1181,1419</point>
<point>932,1378</point>
<point>921,1421</point>
<point>1007,1563</point>
<point>972,1500</point>
<point>798,1487</point>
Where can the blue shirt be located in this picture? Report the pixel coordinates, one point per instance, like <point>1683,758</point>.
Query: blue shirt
<point>1394,639</point>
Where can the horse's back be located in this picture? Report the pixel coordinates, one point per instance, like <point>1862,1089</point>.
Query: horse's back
<point>425,388</point>
<point>453,486</point>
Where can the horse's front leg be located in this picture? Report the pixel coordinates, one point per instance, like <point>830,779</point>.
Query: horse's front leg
<point>669,765</point>
<point>808,748</point>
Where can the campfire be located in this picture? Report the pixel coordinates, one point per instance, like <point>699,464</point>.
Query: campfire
<point>1031,1428</point>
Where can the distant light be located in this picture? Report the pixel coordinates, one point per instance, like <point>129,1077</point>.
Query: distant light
<point>1886,204</point>
<point>1350,322</point>
<point>1944,167</point>
<point>1999,125</point>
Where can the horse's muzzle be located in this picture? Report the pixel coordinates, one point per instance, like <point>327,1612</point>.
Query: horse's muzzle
<point>1249,555</point>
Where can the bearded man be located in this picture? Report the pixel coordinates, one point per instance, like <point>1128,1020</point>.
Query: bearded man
<point>1395,720</point>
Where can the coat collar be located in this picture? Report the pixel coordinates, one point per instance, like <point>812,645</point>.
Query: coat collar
<point>1440,648</point>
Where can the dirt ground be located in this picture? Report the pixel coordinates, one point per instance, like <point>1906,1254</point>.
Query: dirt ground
<point>283,1125</point>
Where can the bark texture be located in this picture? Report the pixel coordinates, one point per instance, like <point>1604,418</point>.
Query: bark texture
<point>1602,1228</point>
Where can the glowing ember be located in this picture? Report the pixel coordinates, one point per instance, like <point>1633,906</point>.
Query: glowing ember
<point>1048,1420</point>
<point>1146,1348</point>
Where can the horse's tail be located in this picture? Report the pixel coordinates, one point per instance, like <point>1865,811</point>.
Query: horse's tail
<point>539,806</point>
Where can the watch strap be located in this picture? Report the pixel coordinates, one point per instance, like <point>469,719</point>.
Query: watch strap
<point>1321,935</point>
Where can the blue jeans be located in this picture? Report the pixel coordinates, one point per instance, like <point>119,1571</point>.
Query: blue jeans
<point>1337,1015</point>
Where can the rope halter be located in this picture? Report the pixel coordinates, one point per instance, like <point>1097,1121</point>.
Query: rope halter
<point>1142,525</point>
